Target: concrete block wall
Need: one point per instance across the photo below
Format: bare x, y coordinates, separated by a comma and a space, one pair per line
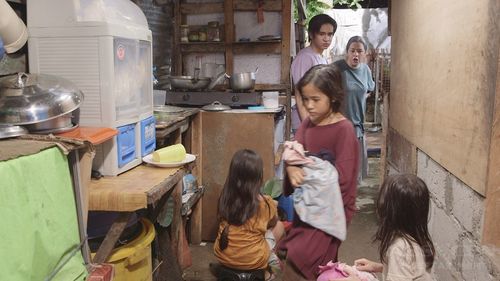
456, 223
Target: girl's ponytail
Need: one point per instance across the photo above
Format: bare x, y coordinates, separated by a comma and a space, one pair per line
224, 240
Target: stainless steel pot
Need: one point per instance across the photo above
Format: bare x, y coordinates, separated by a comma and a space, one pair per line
8, 131
189, 82
59, 124
34, 98
242, 81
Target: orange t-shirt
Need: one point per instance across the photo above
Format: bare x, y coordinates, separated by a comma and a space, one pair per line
247, 248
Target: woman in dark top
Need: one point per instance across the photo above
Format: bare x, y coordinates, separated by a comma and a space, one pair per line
325, 132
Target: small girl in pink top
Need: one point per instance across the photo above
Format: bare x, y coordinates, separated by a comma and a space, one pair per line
406, 248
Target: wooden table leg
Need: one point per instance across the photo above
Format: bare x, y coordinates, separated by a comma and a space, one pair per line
176, 226
111, 237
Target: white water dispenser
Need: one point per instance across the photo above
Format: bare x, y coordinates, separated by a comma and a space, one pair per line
104, 47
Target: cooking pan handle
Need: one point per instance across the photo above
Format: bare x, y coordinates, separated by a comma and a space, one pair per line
227, 76
196, 74
216, 80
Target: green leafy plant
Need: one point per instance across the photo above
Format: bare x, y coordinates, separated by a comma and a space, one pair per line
353, 4
314, 7
273, 187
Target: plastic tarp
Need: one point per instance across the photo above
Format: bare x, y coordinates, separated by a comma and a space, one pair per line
39, 219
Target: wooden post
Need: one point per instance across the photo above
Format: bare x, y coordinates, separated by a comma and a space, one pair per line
196, 149
229, 34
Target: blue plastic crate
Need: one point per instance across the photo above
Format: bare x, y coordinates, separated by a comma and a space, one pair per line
148, 136
126, 144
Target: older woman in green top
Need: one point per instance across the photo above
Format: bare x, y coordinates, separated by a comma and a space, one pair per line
358, 82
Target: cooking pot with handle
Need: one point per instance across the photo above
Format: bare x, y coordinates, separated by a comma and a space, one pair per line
242, 81
41, 102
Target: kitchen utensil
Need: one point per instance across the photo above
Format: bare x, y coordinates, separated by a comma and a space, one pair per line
217, 80
242, 81
60, 124
269, 38
34, 98
189, 82
66, 129
7, 131
216, 106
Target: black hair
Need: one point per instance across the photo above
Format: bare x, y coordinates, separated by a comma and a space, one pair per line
317, 21
239, 199
328, 79
355, 39
403, 210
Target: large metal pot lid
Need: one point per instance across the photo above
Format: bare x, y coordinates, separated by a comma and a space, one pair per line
216, 106
32, 98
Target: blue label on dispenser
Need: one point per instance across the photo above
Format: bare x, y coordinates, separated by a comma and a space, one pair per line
148, 136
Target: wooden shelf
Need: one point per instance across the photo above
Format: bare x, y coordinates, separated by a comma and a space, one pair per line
271, 87
201, 8
268, 6
203, 47
257, 47
238, 5
252, 47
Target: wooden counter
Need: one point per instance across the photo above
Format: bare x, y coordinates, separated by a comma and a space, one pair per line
148, 187
134, 189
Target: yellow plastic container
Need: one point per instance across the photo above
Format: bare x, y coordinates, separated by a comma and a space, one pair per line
133, 261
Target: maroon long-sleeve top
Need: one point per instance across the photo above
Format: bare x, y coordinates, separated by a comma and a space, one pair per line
308, 247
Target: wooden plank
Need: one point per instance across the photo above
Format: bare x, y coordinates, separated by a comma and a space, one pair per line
170, 269
205, 8
286, 15
445, 109
173, 127
196, 222
176, 226
133, 189
196, 148
155, 194
165, 121
402, 154
258, 47
176, 51
112, 236
271, 87
269, 5
223, 134
492, 205
277, 156
385, 128
229, 34
192, 201
203, 47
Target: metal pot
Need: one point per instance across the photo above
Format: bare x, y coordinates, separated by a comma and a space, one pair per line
189, 82
242, 81
59, 124
7, 131
35, 98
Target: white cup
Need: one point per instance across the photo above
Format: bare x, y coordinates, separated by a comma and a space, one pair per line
270, 99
